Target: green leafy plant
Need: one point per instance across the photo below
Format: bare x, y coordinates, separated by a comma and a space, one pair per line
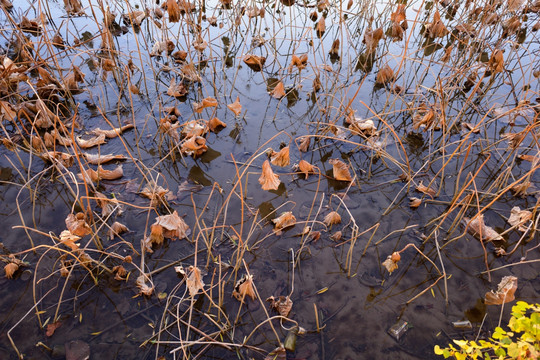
521, 342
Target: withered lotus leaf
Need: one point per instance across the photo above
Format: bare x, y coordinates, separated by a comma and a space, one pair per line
119, 272
340, 170
363, 126
117, 173
62, 140
176, 90
372, 38
496, 61
336, 236
51, 328
157, 194
281, 304
89, 175
96, 159
426, 190
215, 124
505, 292
255, 62
436, 28
279, 90
205, 103
193, 278
194, 146
304, 143
519, 217
334, 50
58, 156
10, 270
175, 227
306, 168
174, 11
480, 230
414, 202
281, 158
86, 144
244, 288
190, 73
332, 218
68, 239
391, 262
398, 15
320, 28
194, 128
385, 75
117, 229
107, 205
156, 235
77, 225
144, 288
113, 132
299, 61
285, 220
235, 107
268, 180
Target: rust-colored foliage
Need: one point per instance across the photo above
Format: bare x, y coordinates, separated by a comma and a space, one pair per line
340, 170
268, 180
505, 292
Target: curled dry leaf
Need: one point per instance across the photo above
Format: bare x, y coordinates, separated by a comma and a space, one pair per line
281, 158
190, 73
414, 202
385, 75
372, 38
320, 28
96, 159
89, 175
481, 231
215, 124
306, 168
10, 269
255, 62
176, 90
496, 61
268, 180
144, 288
194, 128
391, 262
113, 132
193, 278
426, 190
519, 217
117, 229
117, 173
51, 328
336, 236
205, 103
157, 194
285, 220
334, 50
77, 225
235, 107
175, 227
244, 288
194, 146
436, 28
299, 61
281, 304
174, 11
363, 126
340, 170
332, 218
505, 292
156, 235
304, 143
68, 239
119, 273
279, 90
85, 144
58, 156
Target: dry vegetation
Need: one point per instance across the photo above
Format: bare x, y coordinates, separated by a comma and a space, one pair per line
429, 106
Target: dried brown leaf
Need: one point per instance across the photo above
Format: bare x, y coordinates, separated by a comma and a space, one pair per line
414, 202
96, 159
77, 225
51, 328
194, 146
205, 103
10, 270
113, 132
235, 107
505, 292
176, 90
69, 240
281, 304
285, 220
117, 229
144, 288
519, 217
304, 143
306, 168
426, 190
340, 170
372, 38
193, 278
244, 288
279, 90
332, 218
174, 226
391, 262
480, 230
215, 124
268, 180
86, 144
281, 158
385, 75
117, 173
255, 62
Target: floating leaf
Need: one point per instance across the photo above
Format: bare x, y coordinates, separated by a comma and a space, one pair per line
95, 141
299, 61
519, 217
385, 75
194, 146
436, 28
363, 126
281, 158
255, 62
175, 227
235, 107
320, 28
304, 143
281, 304
279, 90
480, 230
193, 278
332, 218
306, 168
391, 262
144, 288
117, 173
244, 288
77, 225
96, 159
69, 239
10, 269
176, 90
372, 38
414, 202
174, 11
215, 124
496, 61
505, 292
51, 328
113, 132
340, 170
268, 180
117, 229
426, 190
205, 103
285, 220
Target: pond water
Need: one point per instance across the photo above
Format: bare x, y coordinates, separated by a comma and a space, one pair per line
449, 116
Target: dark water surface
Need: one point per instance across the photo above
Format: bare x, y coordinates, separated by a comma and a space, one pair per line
339, 285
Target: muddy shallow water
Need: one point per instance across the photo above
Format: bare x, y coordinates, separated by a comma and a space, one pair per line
338, 287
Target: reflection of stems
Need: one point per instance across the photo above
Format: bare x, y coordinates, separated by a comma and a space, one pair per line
443, 269
421, 253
